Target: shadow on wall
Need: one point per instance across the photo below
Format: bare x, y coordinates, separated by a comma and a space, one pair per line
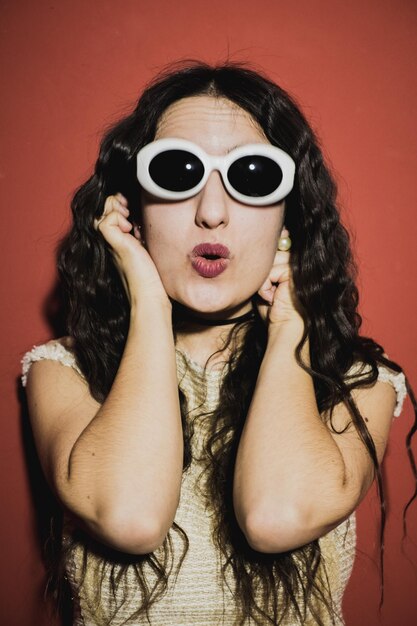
46, 515
54, 310
46, 512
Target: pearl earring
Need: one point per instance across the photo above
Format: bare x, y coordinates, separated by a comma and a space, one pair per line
137, 233
284, 243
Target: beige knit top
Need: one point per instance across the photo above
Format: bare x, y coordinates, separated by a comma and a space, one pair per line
198, 595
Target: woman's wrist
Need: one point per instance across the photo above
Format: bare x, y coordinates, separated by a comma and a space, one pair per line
150, 310
285, 337
290, 328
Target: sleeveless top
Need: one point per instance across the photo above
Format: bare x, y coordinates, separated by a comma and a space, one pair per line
197, 595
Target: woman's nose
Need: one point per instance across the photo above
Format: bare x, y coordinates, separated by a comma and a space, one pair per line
212, 203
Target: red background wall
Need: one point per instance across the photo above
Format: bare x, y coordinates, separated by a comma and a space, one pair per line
71, 67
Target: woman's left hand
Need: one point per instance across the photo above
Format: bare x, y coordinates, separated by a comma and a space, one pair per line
278, 292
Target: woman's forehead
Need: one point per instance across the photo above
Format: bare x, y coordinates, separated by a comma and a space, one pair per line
209, 120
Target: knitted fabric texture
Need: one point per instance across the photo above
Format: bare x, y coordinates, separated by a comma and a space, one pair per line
197, 596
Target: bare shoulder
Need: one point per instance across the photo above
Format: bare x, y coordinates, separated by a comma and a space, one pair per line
377, 404
54, 381
59, 401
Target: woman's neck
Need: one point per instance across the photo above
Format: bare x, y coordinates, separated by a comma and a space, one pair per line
200, 336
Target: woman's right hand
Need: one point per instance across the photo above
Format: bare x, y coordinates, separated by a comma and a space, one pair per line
136, 268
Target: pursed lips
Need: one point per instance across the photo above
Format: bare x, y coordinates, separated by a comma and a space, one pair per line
210, 259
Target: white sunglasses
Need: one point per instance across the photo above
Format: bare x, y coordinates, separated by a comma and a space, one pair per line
176, 169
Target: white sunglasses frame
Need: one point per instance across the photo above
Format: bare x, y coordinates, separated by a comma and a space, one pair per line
219, 163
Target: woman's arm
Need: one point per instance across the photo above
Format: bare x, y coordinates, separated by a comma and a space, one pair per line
118, 466
295, 479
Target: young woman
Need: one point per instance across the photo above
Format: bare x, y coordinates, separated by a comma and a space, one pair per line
220, 417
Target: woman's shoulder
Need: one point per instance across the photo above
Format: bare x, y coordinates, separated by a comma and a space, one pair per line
386, 375
55, 350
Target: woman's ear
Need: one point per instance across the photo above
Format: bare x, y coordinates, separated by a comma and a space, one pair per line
283, 233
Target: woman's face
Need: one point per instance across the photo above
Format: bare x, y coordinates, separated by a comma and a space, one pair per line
172, 230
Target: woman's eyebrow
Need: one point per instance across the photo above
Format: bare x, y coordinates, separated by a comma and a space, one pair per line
245, 143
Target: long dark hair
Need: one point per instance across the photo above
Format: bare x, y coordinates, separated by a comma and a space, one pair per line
324, 276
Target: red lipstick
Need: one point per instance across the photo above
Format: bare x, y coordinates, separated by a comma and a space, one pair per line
210, 259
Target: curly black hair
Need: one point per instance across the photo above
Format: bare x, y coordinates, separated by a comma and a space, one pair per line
324, 275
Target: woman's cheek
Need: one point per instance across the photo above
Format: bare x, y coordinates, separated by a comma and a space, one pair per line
260, 263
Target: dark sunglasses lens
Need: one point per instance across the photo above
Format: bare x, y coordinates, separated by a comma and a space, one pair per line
255, 176
176, 170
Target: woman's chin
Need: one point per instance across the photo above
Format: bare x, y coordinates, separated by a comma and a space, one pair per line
212, 310
212, 300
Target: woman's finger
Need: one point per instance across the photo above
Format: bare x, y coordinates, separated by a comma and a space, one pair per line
113, 227
114, 219
278, 274
282, 256
112, 203
121, 199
